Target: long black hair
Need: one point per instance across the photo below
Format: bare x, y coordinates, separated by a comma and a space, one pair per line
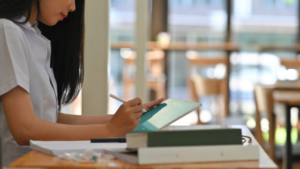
67, 43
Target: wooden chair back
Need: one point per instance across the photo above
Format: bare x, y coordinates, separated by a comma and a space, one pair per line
155, 76
206, 86
263, 96
199, 86
264, 104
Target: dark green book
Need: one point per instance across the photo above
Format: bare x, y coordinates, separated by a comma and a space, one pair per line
166, 138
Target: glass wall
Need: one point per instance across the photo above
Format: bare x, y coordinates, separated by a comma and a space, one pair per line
257, 25
195, 22
122, 27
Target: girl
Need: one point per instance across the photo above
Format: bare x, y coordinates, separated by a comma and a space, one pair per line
41, 68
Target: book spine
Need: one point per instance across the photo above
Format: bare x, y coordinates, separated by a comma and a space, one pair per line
194, 137
163, 155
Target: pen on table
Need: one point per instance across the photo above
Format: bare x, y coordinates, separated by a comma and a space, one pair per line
122, 100
107, 140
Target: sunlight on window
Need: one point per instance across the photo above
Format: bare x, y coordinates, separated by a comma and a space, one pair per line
294, 116
233, 106
220, 71
251, 123
292, 74
264, 125
205, 116
248, 107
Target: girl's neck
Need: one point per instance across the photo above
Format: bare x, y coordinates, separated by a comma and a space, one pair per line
33, 15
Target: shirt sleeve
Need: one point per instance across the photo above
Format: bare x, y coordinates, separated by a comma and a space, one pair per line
13, 57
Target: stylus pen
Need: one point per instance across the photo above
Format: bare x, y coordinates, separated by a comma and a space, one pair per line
109, 140
122, 100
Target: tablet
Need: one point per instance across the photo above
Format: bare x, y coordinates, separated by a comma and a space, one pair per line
166, 113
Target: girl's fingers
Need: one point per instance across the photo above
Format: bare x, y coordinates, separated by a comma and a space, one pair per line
134, 102
136, 109
138, 120
152, 104
138, 115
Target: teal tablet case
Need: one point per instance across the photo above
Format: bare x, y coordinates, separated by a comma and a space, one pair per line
165, 113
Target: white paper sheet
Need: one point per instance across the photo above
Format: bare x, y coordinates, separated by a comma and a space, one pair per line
60, 147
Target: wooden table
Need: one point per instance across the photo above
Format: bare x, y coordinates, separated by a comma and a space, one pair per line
283, 85
40, 160
287, 93
289, 99
181, 46
295, 48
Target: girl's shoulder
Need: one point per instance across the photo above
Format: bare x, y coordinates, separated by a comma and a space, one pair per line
12, 34
5, 21
6, 24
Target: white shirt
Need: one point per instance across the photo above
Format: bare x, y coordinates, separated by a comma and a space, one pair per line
25, 62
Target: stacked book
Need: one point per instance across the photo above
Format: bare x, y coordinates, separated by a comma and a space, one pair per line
181, 146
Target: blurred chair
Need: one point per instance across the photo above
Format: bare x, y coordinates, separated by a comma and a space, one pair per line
199, 86
155, 72
265, 105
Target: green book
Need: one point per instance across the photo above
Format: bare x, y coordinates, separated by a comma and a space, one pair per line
167, 138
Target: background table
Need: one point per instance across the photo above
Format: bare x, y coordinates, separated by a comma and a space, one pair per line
40, 160
289, 99
287, 93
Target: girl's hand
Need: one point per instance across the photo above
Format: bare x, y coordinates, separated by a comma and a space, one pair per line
149, 106
126, 118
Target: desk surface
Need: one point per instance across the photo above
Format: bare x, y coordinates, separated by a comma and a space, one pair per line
151, 45
287, 97
284, 86
40, 160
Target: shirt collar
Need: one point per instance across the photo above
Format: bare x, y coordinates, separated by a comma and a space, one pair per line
27, 25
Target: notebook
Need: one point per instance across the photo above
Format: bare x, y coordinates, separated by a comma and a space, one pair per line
166, 113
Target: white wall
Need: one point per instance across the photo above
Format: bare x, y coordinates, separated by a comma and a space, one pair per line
141, 39
97, 50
